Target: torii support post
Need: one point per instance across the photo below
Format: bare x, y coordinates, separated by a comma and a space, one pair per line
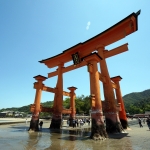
58, 101
34, 123
122, 113
98, 131
112, 119
72, 104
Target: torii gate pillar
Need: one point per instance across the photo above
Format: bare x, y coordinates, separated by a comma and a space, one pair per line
112, 119
58, 100
72, 103
34, 124
96, 104
122, 113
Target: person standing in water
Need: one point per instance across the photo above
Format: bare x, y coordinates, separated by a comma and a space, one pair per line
140, 123
148, 122
41, 124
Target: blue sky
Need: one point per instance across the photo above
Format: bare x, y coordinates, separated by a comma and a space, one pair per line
34, 30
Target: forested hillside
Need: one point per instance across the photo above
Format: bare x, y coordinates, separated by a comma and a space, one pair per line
136, 102
136, 96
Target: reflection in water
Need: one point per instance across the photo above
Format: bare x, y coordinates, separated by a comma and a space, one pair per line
65, 139
79, 140
73, 139
34, 138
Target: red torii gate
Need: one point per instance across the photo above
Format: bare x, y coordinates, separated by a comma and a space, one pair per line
82, 54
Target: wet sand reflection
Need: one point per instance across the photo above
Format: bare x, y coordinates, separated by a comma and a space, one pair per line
17, 138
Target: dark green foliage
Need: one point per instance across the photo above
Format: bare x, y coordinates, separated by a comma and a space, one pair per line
25, 109
82, 104
136, 96
47, 104
137, 102
66, 103
45, 114
138, 107
9, 109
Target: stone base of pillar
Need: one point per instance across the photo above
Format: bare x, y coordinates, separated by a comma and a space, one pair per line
124, 123
56, 121
113, 127
70, 122
34, 125
98, 132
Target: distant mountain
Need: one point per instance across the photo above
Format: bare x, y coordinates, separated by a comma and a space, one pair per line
136, 97
140, 100
26, 109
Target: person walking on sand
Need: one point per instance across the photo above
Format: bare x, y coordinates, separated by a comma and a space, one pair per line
77, 122
41, 124
68, 122
81, 122
89, 121
140, 122
62, 122
73, 123
148, 122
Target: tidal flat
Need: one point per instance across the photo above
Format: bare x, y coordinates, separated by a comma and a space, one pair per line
17, 137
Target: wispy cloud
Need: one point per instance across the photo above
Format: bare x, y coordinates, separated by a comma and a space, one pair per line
88, 25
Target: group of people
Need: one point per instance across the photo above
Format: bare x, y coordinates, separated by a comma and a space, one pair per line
78, 122
144, 120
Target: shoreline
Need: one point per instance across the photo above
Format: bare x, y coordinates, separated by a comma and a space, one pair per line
6, 121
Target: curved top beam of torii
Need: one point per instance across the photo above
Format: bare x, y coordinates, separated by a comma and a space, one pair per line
118, 31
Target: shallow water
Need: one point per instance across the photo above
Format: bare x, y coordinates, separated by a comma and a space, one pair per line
16, 137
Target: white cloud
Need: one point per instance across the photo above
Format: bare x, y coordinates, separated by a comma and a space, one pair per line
88, 25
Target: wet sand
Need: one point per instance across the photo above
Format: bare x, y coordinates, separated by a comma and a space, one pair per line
16, 137
12, 120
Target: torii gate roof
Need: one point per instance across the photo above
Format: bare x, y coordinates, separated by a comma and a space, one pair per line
118, 31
